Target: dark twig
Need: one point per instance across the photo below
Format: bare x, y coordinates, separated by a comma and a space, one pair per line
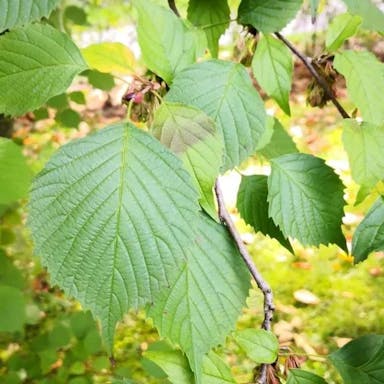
261, 283
172, 5
269, 307
322, 82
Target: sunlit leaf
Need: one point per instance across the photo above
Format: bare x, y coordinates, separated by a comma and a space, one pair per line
364, 89
273, 68
299, 376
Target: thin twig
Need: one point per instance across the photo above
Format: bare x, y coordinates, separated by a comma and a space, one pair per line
172, 5
322, 82
261, 283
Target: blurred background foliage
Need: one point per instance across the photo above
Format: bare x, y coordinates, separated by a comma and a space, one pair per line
322, 300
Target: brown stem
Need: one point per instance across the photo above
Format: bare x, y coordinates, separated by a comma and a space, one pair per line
261, 283
172, 5
322, 82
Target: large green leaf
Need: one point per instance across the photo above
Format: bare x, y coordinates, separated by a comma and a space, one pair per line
268, 15
369, 235
18, 12
373, 17
36, 63
111, 216
259, 345
299, 376
166, 43
213, 16
281, 143
207, 295
340, 29
110, 57
364, 144
225, 92
12, 309
306, 199
253, 207
15, 176
361, 361
364, 89
272, 66
192, 135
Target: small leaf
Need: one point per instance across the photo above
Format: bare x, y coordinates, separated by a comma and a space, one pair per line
273, 68
12, 309
356, 367
369, 235
58, 101
75, 14
364, 144
15, 13
363, 88
100, 80
207, 295
260, 345
110, 57
36, 63
192, 135
340, 29
97, 223
253, 207
167, 44
281, 143
78, 97
306, 199
213, 16
268, 15
216, 371
15, 176
223, 90
373, 17
299, 376
9, 274
68, 118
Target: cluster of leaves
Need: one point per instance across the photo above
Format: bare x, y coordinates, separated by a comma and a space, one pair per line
125, 218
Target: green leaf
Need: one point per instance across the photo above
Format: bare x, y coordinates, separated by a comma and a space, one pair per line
207, 295
98, 224
15, 13
373, 17
15, 176
281, 142
68, 118
260, 345
36, 63
314, 7
363, 88
192, 135
268, 15
340, 29
78, 97
356, 367
299, 376
110, 57
75, 14
306, 199
12, 309
213, 16
364, 144
216, 371
100, 80
167, 44
58, 101
253, 207
273, 68
224, 91
369, 235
